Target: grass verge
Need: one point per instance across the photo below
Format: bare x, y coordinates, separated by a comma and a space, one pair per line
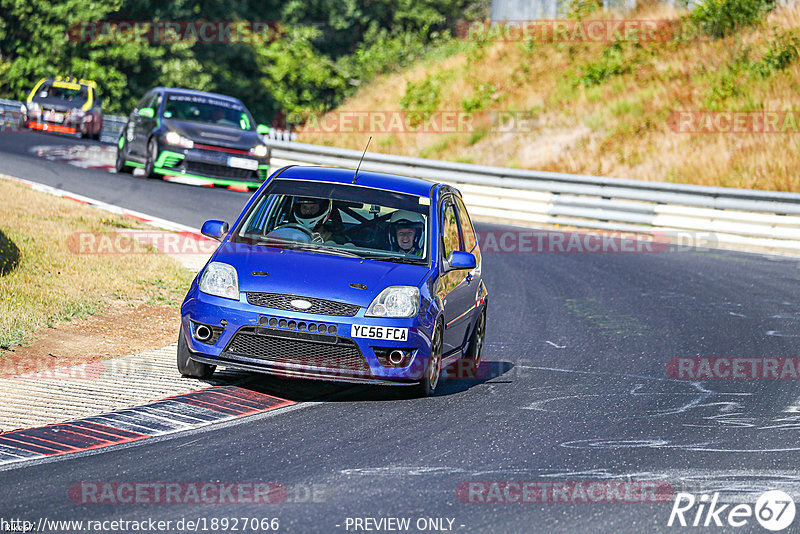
48, 283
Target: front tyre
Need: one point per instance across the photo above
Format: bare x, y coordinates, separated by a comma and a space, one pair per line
120, 165
150, 161
430, 378
187, 366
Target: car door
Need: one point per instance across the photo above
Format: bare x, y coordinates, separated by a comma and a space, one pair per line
455, 289
470, 242
142, 126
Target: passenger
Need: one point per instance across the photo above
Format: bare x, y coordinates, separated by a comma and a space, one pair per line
407, 232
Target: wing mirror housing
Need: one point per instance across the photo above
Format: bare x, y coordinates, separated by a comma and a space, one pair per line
214, 229
461, 260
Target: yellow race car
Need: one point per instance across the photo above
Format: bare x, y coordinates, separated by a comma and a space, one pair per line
64, 105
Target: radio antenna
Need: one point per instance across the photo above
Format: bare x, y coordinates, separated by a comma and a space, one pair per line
355, 176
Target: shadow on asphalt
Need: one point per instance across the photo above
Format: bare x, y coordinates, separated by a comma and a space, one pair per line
452, 381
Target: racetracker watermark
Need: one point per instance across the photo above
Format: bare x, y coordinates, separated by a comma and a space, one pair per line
580, 31
735, 122
140, 242
414, 122
165, 32
47, 367
696, 368
571, 491
210, 492
596, 242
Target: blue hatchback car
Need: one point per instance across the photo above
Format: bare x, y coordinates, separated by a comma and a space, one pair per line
368, 278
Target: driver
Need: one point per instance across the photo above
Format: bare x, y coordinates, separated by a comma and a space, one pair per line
311, 213
407, 232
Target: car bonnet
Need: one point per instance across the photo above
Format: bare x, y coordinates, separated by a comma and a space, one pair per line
311, 274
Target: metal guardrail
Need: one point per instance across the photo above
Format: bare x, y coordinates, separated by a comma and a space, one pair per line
112, 127
729, 216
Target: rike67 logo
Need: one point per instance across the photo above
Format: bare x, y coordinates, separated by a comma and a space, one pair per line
774, 510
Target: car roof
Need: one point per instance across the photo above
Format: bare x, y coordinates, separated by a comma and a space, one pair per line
376, 180
193, 92
69, 79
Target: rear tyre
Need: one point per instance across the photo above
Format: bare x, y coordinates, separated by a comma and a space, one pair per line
187, 366
120, 165
430, 378
150, 162
472, 357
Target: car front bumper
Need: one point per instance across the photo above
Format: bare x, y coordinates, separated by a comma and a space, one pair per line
213, 166
250, 339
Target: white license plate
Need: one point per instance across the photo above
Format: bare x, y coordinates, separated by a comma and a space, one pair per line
388, 333
54, 117
243, 163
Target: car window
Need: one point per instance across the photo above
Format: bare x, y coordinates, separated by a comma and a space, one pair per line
98, 103
151, 102
62, 92
450, 241
156, 103
339, 218
144, 101
467, 231
207, 110
44, 90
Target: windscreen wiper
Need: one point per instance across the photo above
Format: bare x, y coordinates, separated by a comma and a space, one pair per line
396, 259
309, 247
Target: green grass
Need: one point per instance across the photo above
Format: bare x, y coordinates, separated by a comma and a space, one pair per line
45, 282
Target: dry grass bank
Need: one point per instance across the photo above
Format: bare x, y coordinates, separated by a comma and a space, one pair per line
604, 108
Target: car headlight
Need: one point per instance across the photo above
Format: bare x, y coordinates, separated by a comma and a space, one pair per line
220, 279
395, 301
259, 151
174, 138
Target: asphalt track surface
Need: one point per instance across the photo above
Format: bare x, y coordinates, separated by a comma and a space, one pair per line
573, 388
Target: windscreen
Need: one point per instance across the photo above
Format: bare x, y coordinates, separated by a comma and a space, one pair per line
71, 93
339, 219
198, 108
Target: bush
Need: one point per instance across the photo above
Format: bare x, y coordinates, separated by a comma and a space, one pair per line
483, 93
783, 50
9, 254
612, 63
422, 96
718, 18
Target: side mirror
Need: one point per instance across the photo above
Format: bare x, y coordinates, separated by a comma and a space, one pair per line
214, 229
461, 260
147, 112
262, 129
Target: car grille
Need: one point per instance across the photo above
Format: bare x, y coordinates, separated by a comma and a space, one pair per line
296, 349
221, 171
280, 301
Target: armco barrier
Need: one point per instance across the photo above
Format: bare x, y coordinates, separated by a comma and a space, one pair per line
744, 217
